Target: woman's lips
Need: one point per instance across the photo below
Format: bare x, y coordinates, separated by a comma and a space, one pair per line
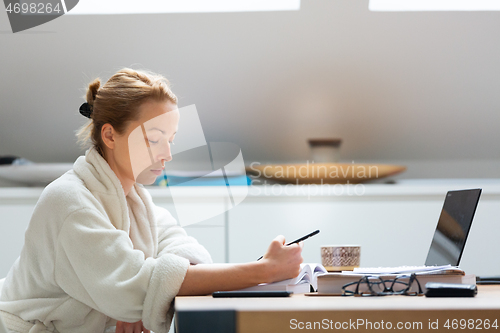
157, 172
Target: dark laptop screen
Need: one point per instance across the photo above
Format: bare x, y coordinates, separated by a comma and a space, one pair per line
453, 227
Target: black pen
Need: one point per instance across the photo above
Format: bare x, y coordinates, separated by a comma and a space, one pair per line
300, 239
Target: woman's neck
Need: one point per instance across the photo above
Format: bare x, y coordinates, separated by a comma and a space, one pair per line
126, 182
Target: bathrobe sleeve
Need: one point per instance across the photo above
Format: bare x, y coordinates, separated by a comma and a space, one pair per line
172, 239
97, 265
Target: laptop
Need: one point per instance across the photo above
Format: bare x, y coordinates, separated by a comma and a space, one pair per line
453, 228
450, 235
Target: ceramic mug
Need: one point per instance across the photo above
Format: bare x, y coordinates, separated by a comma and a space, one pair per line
340, 257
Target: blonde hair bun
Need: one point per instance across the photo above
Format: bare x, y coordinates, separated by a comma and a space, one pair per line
92, 90
117, 102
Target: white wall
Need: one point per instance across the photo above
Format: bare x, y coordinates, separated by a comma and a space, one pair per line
418, 88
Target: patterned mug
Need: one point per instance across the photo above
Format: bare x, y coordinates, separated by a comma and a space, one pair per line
340, 257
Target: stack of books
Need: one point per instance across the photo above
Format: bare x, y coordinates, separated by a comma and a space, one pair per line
332, 283
314, 277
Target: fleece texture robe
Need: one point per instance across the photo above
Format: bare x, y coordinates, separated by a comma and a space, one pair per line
93, 256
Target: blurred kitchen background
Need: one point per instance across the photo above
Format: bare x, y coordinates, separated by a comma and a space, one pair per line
413, 88
418, 89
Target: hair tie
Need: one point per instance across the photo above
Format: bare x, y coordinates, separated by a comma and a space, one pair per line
86, 109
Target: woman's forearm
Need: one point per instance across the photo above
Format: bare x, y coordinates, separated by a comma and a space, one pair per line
204, 279
279, 263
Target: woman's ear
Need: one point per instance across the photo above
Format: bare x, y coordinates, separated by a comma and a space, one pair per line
108, 135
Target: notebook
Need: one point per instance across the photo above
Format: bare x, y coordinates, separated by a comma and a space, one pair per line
307, 277
449, 238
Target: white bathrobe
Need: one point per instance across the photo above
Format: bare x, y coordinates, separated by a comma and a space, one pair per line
93, 256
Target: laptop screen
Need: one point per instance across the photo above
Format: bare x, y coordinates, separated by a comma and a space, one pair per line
453, 227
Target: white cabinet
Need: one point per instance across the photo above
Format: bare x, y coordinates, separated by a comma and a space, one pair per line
394, 224
395, 232
13, 223
16, 208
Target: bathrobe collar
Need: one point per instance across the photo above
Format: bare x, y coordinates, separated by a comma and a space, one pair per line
136, 208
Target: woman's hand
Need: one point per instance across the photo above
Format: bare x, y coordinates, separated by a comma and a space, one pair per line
137, 327
282, 262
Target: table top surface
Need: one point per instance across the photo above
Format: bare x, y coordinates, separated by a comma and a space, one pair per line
488, 297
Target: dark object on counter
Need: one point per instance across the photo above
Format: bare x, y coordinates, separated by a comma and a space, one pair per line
7, 159
487, 279
325, 142
243, 293
325, 150
435, 289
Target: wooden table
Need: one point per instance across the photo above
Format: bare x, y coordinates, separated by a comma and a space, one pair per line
330, 313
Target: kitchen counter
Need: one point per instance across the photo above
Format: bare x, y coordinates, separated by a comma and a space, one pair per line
413, 187
394, 223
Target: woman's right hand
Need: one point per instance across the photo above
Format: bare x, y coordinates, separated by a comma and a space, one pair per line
137, 327
282, 262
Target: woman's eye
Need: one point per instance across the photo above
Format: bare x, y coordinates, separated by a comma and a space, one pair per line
172, 143
153, 142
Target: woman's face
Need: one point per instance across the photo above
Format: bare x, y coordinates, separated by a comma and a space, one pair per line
145, 146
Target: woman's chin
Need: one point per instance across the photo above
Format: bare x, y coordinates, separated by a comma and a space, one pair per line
146, 179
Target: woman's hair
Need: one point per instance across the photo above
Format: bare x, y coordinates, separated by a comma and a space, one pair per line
117, 102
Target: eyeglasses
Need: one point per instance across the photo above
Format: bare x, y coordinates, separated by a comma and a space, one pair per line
370, 285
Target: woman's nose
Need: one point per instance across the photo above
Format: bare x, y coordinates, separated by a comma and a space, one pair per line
164, 154
164, 159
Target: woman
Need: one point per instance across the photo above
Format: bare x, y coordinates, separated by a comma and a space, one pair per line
98, 252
